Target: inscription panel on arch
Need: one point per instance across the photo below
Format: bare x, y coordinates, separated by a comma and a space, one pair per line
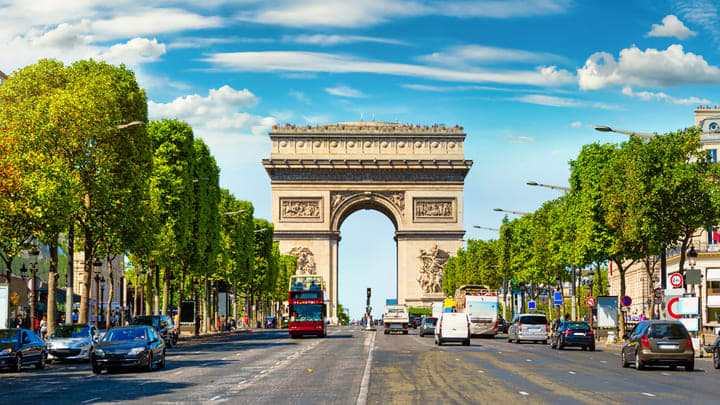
434, 209
305, 209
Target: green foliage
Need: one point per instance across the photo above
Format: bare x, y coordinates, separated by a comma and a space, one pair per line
342, 316
420, 311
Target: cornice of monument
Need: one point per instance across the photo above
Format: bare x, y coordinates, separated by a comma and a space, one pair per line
345, 129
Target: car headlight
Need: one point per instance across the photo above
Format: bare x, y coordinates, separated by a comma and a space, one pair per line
136, 350
99, 353
6, 350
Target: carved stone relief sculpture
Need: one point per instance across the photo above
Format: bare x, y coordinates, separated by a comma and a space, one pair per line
300, 209
305, 260
434, 209
397, 198
431, 271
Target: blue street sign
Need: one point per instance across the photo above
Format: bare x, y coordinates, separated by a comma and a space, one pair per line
531, 305
558, 298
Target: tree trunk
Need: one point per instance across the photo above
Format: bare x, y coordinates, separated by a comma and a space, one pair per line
206, 304
84, 315
147, 293
621, 314
156, 290
52, 285
136, 298
111, 291
69, 295
181, 296
166, 290
216, 314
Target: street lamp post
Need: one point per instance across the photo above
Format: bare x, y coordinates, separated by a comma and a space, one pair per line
533, 183
33, 292
102, 296
486, 228
692, 261
605, 128
97, 263
511, 212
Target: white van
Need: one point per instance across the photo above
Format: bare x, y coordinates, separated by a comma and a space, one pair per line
453, 327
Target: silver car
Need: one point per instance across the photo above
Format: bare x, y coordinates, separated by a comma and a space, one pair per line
427, 326
532, 327
72, 342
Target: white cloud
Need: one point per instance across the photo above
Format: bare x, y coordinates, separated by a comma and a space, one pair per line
448, 89
328, 40
553, 101
364, 13
671, 27
216, 112
702, 12
519, 139
649, 68
345, 91
316, 119
153, 21
576, 124
135, 51
472, 54
200, 42
290, 61
649, 95
299, 96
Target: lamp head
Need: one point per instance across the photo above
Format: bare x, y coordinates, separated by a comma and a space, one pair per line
603, 128
532, 183
497, 209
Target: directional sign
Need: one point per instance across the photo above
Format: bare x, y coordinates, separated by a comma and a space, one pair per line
626, 301
590, 301
658, 293
558, 298
676, 280
672, 308
531, 305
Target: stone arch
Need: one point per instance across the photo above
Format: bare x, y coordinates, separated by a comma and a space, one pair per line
366, 201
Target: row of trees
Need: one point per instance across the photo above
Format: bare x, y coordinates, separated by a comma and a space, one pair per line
78, 158
627, 202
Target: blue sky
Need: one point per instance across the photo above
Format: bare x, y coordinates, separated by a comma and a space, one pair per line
527, 79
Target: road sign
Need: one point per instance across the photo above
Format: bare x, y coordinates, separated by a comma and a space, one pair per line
692, 276
658, 293
676, 280
674, 313
626, 301
531, 305
590, 301
558, 298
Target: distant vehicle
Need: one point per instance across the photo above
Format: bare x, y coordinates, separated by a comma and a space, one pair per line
412, 323
396, 319
307, 310
72, 342
502, 325
427, 326
418, 321
453, 327
532, 327
162, 324
577, 334
481, 305
658, 342
21, 347
714, 349
131, 346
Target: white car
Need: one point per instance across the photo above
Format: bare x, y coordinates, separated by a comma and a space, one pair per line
453, 327
72, 342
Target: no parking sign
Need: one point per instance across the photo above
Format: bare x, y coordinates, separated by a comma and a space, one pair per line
590, 301
626, 301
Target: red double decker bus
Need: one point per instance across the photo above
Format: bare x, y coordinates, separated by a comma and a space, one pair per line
307, 306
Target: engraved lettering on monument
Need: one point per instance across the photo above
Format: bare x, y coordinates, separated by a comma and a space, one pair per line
431, 271
300, 208
435, 209
305, 261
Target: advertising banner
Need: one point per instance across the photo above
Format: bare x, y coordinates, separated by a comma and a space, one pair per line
607, 312
4, 305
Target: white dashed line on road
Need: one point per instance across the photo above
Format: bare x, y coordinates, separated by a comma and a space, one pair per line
178, 372
242, 382
603, 361
205, 364
665, 373
647, 394
215, 398
571, 372
523, 393
263, 372
528, 360
481, 371
90, 400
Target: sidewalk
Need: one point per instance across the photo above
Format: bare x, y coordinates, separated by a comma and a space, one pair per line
187, 337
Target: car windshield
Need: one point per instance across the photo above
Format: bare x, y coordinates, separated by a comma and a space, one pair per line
577, 326
431, 321
8, 336
306, 313
533, 320
71, 331
667, 330
146, 321
124, 335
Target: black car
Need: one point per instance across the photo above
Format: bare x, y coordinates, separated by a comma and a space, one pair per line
412, 323
21, 347
131, 346
577, 334
162, 324
502, 325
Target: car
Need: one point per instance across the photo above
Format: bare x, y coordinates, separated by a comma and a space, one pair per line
129, 347
417, 321
427, 326
658, 343
21, 347
502, 325
453, 327
162, 324
72, 342
530, 327
714, 349
412, 323
577, 334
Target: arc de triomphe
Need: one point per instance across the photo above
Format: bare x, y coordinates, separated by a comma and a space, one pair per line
413, 174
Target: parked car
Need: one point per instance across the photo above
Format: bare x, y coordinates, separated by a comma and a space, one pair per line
658, 342
418, 321
72, 342
21, 347
162, 324
453, 327
577, 334
714, 349
533, 326
502, 325
427, 326
131, 346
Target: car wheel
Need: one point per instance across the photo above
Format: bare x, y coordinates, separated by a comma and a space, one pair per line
638, 362
509, 340
18, 362
716, 358
466, 342
149, 364
41, 364
161, 363
421, 334
623, 360
690, 366
439, 342
552, 344
544, 342
517, 341
385, 331
673, 367
592, 348
96, 369
169, 343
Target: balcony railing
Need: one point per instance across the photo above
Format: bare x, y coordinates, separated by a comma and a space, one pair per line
703, 247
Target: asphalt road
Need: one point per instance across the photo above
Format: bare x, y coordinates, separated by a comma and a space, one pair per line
267, 367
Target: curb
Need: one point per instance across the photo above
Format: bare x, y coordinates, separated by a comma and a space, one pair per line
211, 334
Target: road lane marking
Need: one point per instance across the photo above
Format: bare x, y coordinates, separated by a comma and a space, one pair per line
205, 364
263, 372
242, 382
528, 360
523, 393
647, 394
215, 397
603, 361
365, 382
665, 373
481, 371
90, 400
178, 372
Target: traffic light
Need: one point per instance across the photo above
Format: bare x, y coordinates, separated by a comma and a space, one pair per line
368, 291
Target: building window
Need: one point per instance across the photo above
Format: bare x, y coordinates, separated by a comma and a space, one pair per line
713, 315
712, 155
713, 287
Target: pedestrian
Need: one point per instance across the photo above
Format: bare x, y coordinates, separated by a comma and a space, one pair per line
567, 317
75, 316
62, 319
43, 327
36, 326
18, 321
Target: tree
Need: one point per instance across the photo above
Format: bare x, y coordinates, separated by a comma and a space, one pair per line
343, 318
